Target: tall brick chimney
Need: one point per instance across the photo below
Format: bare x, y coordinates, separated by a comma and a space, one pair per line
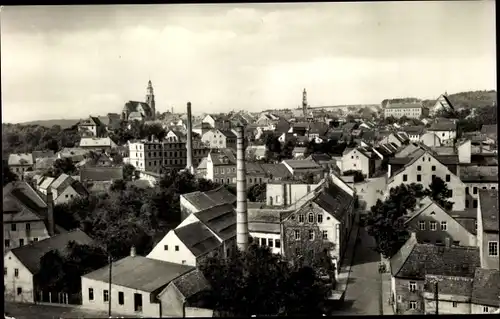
50, 212
189, 143
241, 193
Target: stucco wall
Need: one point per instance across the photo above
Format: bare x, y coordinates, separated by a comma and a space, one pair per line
37, 230
24, 280
182, 256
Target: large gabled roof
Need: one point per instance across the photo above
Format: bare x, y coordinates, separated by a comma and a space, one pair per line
220, 219
197, 238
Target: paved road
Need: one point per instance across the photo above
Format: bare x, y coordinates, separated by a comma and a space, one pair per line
31, 311
363, 294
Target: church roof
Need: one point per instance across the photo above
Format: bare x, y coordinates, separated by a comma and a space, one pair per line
132, 106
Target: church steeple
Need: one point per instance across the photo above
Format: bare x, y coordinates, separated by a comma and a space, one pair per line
304, 102
150, 99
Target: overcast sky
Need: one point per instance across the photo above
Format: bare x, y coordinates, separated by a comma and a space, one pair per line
72, 61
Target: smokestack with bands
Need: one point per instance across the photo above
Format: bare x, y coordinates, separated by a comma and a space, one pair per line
50, 212
189, 144
241, 193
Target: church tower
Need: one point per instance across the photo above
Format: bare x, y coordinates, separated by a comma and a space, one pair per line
150, 99
304, 103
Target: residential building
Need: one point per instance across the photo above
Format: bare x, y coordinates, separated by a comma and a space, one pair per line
158, 157
434, 225
414, 132
201, 234
76, 154
446, 131
221, 166
65, 189
97, 144
198, 201
91, 127
487, 228
216, 138
202, 128
303, 168
22, 264
257, 152
358, 159
414, 261
217, 122
20, 163
145, 295
430, 139
298, 152
99, 179
477, 178
286, 193
485, 291
24, 215
267, 119
409, 110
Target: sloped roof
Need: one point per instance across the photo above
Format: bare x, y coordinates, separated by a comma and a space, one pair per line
25, 194
30, 255
101, 173
208, 199
191, 283
220, 219
413, 129
302, 164
461, 286
44, 162
442, 126
197, 238
140, 273
426, 259
479, 173
488, 200
319, 157
334, 200
96, 142
23, 159
404, 105
62, 181
132, 106
219, 155
489, 129
486, 288
276, 170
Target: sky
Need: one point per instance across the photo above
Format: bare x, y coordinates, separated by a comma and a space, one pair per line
74, 61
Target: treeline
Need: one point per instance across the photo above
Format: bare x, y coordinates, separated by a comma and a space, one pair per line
470, 99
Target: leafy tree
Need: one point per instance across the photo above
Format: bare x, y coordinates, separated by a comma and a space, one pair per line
308, 178
403, 119
261, 283
118, 185
257, 193
7, 175
334, 123
358, 175
440, 193
60, 166
386, 220
287, 150
128, 172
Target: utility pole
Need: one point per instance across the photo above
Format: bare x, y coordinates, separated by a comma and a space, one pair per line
436, 294
109, 294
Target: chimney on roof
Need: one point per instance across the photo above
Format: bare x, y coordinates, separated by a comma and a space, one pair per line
132, 251
241, 193
50, 212
189, 143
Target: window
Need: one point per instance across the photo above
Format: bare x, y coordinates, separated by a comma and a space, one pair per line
277, 243
121, 298
91, 294
413, 286
419, 168
433, 225
19, 290
16, 272
450, 192
433, 168
262, 241
105, 295
493, 248
474, 203
467, 190
405, 177
28, 226
297, 235
466, 203
456, 243
475, 224
413, 305
311, 218
485, 309
301, 218
35, 239
444, 226
433, 177
320, 218
419, 178
7, 243
165, 247
5, 271
474, 190
21, 242
176, 248
484, 187
13, 227
270, 242
421, 224
448, 177
311, 234
325, 234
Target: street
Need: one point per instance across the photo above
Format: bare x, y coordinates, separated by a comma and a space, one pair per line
364, 294
30, 311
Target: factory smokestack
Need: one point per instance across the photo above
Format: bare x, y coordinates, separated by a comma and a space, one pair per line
189, 143
50, 212
241, 193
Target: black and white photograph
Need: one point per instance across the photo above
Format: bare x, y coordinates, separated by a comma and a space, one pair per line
250, 159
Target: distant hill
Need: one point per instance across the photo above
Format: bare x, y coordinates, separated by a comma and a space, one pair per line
64, 123
471, 99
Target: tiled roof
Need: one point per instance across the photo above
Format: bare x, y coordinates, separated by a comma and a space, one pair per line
276, 170
131, 107
479, 173
101, 173
334, 200
403, 105
489, 129
413, 129
208, 199
25, 194
30, 255
486, 288
218, 156
44, 162
439, 126
302, 164
191, 283
140, 273
488, 200
96, 142
220, 219
228, 134
319, 157
461, 286
61, 182
197, 238
46, 182
447, 159
425, 259
20, 159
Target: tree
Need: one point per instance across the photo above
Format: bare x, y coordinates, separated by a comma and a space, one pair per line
7, 175
358, 175
439, 192
257, 193
258, 282
61, 166
403, 119
386, 220
128, 172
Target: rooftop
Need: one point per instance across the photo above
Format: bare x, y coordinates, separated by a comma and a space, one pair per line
220, 219
20, 159
98, 174
479, 173
488, 201
208, 199
302, 164
191, 283
461, 286
197, 238
486, 288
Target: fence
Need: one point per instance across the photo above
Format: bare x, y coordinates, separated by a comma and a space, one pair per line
58, 297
